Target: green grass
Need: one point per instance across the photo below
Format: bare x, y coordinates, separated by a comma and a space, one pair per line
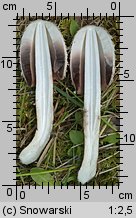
61, 158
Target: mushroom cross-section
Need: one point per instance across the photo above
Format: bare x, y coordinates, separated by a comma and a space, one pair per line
43, 57
92, 63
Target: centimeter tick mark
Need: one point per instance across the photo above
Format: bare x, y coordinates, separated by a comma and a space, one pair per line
87, 13
81, 16
112, 187
55, 10
35, 185
80, 191
10, 121
23, 13
48, 188
17, 18
16, 190
125, 80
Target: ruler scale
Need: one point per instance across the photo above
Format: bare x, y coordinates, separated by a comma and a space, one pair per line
112, 200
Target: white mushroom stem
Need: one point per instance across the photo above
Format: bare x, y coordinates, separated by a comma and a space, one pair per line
44, 97
92, 99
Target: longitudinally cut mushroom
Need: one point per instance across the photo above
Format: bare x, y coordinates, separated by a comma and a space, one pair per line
92, 63
43, 57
